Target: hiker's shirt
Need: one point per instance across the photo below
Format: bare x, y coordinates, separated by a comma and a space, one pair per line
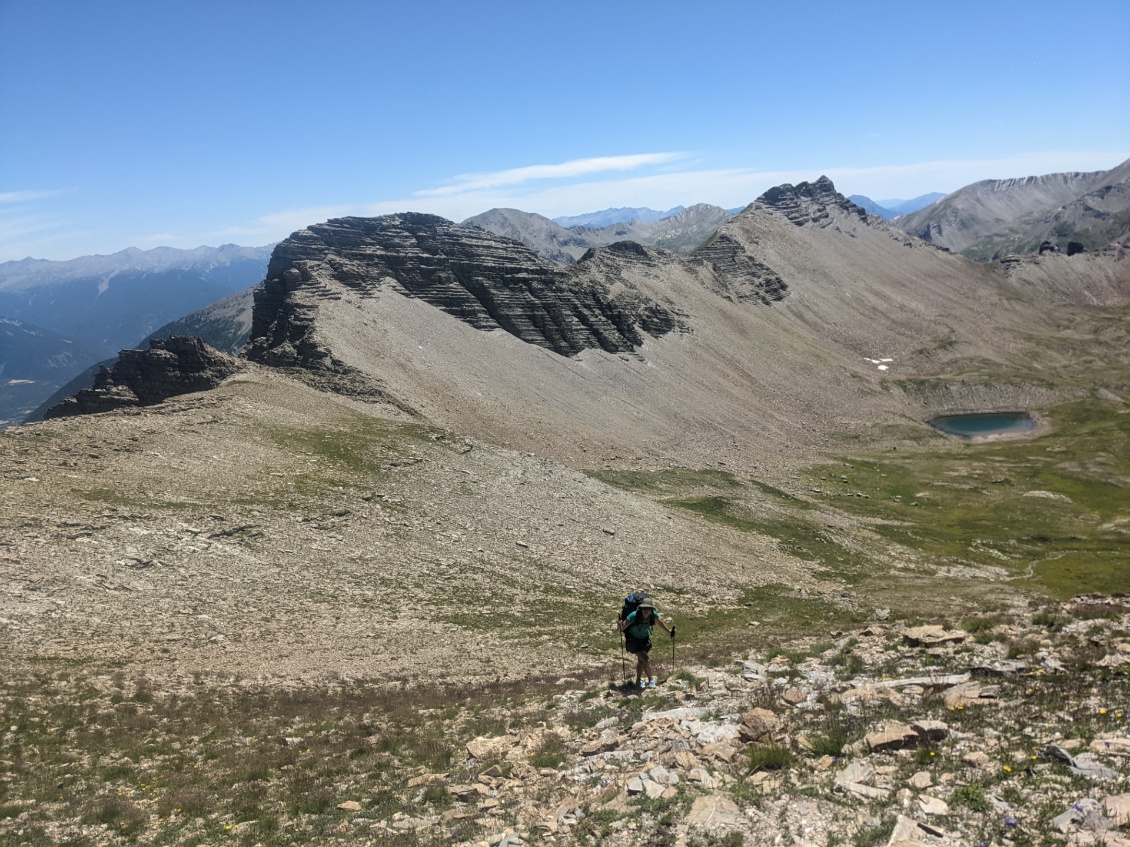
638, 629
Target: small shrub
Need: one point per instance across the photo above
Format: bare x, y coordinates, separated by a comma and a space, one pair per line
768, 757
976, 625
1090, 612
248, 802
438, 796
688, 677
972, 797
874, 836
551, 753
185, 802
117, 813
316, 801
1048, 619
925, 756
830, 742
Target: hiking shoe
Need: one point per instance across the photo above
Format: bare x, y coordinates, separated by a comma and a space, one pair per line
651, 683
642, 684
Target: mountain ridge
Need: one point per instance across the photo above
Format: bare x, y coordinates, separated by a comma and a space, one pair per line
993, 218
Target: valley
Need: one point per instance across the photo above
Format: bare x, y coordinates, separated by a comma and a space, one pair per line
444, 460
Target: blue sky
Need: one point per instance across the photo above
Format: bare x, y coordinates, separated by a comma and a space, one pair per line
186, 123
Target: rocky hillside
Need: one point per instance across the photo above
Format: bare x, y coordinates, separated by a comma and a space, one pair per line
994, 218
1011, 727
680, 232
781, 318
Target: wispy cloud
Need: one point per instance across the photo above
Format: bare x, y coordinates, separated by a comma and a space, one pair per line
585, 185
565, 170
26, 196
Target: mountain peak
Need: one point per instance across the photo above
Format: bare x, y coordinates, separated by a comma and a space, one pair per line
808, 202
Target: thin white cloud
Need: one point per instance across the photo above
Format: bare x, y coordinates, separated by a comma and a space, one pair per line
565, 170
575, 192
26, 196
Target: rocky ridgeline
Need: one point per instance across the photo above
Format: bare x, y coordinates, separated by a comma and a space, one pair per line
484, 280
173, 366
808, 202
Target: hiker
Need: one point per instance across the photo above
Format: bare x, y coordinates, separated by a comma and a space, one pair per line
637, 629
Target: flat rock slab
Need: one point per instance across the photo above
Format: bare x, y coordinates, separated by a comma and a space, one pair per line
933, 806
970, 694
485, 749
894, 736
1111, 745
1117, 808
714, 812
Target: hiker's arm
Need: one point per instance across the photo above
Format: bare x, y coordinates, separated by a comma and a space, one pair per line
666, 628
623, 625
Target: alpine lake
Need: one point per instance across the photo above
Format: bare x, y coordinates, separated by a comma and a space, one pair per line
984, 424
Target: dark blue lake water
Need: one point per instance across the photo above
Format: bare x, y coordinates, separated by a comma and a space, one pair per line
989, 423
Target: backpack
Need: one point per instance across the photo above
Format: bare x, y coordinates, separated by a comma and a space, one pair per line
631, 603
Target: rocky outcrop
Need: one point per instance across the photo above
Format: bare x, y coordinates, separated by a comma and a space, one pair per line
808, 203
741, 278
177, 365
482, 279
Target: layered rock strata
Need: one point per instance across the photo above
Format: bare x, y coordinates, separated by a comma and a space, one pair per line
177, 365
482, 279
808, 202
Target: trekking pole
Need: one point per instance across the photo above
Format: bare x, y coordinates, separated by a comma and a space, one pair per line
623, 657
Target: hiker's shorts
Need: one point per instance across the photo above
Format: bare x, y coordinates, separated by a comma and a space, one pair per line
635, 646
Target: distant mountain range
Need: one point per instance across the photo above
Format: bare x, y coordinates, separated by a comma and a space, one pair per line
60, 318
997, 217
615, 216
887, 209
680, 232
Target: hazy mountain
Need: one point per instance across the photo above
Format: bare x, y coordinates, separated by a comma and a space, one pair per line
681, 232
994, 218
870, 206
108, 303
34, 362
95, 306
615, 216
224, 325
887, 209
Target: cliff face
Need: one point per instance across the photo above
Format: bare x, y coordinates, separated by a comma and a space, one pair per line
808, 203
483, 280
177, 365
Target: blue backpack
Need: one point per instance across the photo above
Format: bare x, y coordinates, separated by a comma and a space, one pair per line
631, 603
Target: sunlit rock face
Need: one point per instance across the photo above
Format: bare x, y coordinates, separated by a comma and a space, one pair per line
482, 279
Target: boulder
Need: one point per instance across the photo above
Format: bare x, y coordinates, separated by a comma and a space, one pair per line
486, 749
758, 724
894, 736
